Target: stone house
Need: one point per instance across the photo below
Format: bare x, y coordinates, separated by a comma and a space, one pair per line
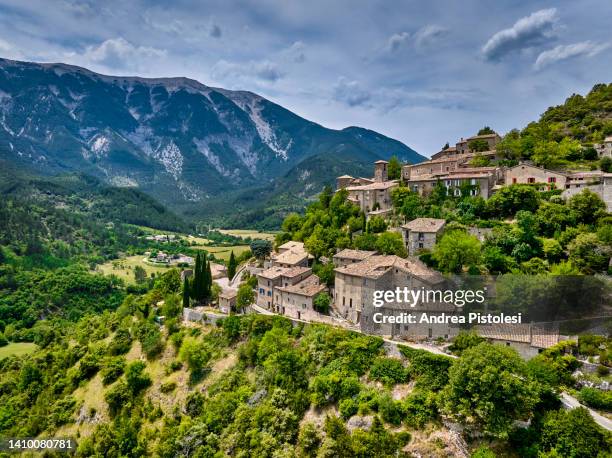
421, 234
373, 196
477, 182
463, 146
227, 300
531, 174
348, 256
356, 283
297, 300
526, 338
291, 254
276, 276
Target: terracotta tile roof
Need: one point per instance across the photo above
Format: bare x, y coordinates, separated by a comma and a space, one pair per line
433, 161
474, 137
288, 272
290, 257
272, 273
291, 272
373, 186
228, 293
291, 245
425, 225
354, 254
376, 266
523, 333
308, 287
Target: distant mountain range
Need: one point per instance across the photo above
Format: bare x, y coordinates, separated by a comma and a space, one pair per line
204, 151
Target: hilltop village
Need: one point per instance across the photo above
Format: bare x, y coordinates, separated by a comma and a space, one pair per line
287, 284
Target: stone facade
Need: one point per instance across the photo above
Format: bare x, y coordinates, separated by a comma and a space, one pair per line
373, 196
275, 277
297, 301
530, 174
355, 285
227, 300
348, 256
476, 183
291, 254
421, 234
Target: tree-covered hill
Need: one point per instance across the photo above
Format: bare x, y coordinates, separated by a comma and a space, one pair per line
564, 135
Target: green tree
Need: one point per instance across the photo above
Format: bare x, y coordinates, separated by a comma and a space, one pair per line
486, 130
510, 199
140, 275
261, 248
196, 354
588, 254
395, 168
326, 196
573, 433
377, 224
455, 250
488, 389
588, 206
136, 377
231, 266
478, 145
391, 243
605, 164
244, 296
321, 302
186, 292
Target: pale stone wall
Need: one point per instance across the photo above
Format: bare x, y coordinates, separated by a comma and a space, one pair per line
348, 296
524, 173
265, 291
420, 240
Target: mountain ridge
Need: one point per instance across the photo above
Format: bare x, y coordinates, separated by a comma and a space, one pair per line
175, 138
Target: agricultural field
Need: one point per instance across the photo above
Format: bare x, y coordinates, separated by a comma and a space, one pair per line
249, 233
17, 349
124, 268
223, 252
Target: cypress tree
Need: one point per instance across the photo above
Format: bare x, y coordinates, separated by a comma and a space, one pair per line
186, 292
195, 293
231, 266
206, 279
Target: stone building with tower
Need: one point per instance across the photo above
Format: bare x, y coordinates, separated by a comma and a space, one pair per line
373, 196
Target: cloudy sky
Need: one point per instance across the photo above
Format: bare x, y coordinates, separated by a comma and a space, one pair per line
422, 72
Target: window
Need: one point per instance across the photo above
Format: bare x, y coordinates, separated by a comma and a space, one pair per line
513, 180
530, 180
421, 236
552, 179
421, 245
343, 300
351, 302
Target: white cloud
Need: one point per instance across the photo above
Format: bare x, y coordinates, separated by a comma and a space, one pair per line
296, 52
397, 41
562, 52
120, 53
533, 30
428, 35
351, 92
264, 70
422, 38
